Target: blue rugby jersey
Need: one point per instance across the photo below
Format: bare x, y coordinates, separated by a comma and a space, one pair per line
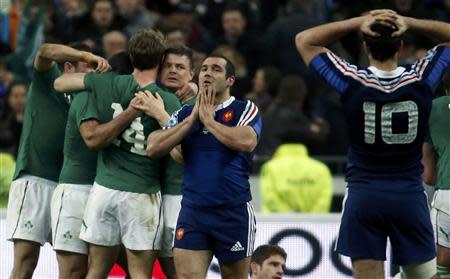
387, 115
215, 175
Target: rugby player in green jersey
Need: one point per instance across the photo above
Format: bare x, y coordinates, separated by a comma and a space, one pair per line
124, 205
40, 154
436, 162
176, 74
75, 182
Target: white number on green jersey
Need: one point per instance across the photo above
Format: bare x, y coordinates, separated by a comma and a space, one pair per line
133, 135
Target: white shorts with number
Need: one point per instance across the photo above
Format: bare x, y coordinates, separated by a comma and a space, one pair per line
28, 213
67, 210
113, 217
440, 217
171, 207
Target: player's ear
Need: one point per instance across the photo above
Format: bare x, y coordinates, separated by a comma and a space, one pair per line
69, 67
254, 268
230, 81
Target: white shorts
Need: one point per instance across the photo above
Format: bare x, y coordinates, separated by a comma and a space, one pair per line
67, 210
28, 213
113, 217
171, 207
441, 227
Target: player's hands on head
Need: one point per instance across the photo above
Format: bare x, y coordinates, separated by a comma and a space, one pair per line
149, 103
187, 92
386, 17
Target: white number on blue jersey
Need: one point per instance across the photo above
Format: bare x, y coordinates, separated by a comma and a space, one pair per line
387, 110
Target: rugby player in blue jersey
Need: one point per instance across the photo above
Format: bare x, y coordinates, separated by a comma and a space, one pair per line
218, 136
387, 109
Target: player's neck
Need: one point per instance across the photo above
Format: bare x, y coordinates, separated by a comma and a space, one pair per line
222, 97
145, 77
387, 65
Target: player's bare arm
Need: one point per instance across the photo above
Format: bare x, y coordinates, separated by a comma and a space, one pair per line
240, 138
69, 82
161, 142
50, 53
429, 164
98, 136
152, 105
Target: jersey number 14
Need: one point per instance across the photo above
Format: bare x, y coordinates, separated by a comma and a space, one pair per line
387, 110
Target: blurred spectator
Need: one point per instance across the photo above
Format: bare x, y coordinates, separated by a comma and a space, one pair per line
29, 38
236, 35
12, 119
293, 182
242, 82
100, 19
193, 32
7, 167
285, 121
64, 17
136, 15
265, 86
114, 42
279, 49
9, 25
175, 35
6, 78
200, 54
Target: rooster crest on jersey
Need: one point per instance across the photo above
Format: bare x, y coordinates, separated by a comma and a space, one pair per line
180, 233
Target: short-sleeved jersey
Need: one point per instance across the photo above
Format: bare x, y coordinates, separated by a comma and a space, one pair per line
214, 174
80, 162
41, 142
124, 165
439, 138
387, 115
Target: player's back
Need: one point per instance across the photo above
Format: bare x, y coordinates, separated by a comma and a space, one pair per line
387, 114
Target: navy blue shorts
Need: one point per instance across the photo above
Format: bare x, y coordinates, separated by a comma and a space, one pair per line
370, 217
228, 232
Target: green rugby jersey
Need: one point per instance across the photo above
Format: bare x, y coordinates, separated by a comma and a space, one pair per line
41, 143
439, 138
124, 165
80, 162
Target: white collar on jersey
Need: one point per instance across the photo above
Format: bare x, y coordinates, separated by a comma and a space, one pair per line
387, 74
225, 104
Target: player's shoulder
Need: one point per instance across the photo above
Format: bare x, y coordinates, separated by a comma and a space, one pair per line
243, 105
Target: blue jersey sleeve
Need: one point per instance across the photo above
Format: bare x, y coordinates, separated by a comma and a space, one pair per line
434, 65
177, 117
333, 69
251, 117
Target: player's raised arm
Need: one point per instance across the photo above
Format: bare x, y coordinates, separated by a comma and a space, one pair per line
69, 82
313, 41
50, 53
161, 142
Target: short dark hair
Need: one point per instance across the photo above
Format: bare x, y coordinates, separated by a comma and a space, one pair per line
146, 49
264, 252
229, 67
121, 63
182, 51
384, 46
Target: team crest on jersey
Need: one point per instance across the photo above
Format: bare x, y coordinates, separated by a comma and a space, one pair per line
180, 233
227, 116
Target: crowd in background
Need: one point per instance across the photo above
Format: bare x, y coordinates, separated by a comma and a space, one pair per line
256, 35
